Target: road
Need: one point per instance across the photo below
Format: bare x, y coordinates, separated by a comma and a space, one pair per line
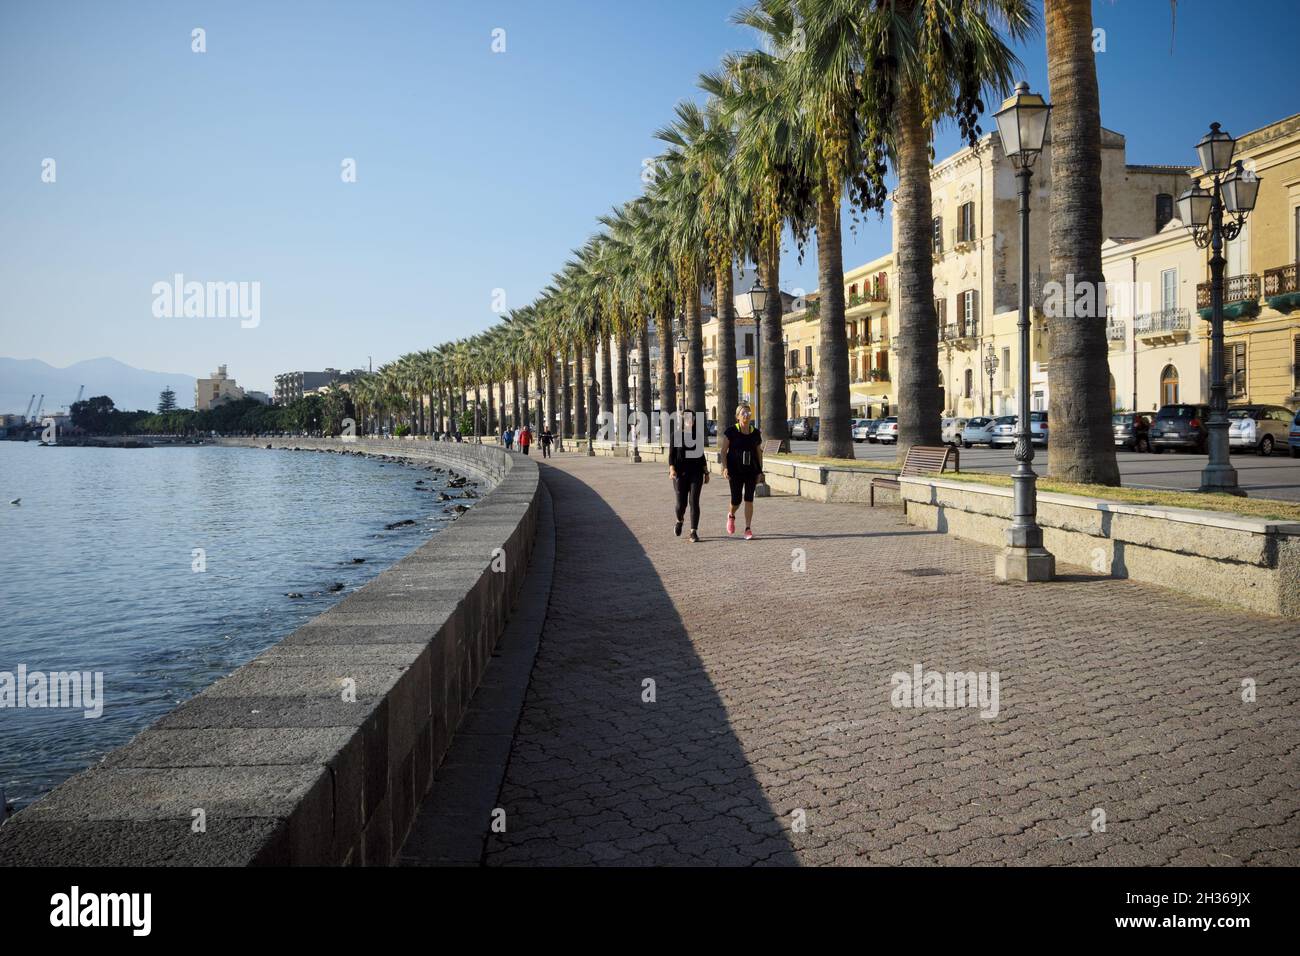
1277, 476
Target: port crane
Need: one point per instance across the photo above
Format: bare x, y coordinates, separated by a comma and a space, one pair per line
27, 412
40, 405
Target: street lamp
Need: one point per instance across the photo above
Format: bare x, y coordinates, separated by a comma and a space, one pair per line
682, 341
591, 412
1233, 189
757, 296
636, 427
990, 366
1022, 127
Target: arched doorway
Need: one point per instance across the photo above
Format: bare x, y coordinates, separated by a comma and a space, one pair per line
1112, 392
794, 404
1169, 386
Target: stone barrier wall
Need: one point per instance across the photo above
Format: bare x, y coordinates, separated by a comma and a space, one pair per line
319, 750
1251, 563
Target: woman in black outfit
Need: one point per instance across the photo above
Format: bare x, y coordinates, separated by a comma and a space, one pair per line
690, 473
742, 465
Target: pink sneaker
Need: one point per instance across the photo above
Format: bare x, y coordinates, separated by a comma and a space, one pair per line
731, 524
749, 535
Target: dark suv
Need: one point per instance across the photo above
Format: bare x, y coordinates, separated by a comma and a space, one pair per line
805, 429
1180, 426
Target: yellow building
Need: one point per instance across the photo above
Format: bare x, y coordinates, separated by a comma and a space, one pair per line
217, 389
1261, 296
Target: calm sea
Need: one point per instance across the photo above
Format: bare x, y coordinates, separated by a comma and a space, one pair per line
97, 573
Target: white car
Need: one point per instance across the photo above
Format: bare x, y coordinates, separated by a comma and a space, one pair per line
887, 433
952, 429
861, 430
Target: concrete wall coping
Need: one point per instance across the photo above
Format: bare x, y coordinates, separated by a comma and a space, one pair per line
1213, 519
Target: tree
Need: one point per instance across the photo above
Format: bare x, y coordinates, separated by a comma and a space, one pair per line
1081, 448
166, 400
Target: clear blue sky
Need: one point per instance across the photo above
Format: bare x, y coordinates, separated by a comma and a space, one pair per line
476, 170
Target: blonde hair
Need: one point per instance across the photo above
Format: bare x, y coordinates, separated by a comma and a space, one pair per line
746, 406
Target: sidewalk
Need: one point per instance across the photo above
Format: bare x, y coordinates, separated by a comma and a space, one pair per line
773, 696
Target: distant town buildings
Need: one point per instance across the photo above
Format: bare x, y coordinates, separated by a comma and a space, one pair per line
291, 386
215, 390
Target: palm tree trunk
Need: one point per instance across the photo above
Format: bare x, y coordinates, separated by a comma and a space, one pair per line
566, 399
542, 420
835, 439
501, 404
620, 378
580, 394
592, 400
515, 421
478, 415
920, 417
694, 351
549, 420
491, 428
1081, 447
643, 397
725, 306
667, 367
773, 405
606, 384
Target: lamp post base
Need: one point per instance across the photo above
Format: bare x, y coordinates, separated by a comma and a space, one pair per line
1220, 480
1025, 564
636, 456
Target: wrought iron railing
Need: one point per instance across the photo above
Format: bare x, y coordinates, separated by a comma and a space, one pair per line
1162, 323
1240, 288
1281, 280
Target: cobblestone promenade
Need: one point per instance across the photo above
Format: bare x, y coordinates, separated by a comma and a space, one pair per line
1120, 736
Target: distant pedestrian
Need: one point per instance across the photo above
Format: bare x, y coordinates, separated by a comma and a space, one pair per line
508, 439
742, 465
547, 438
689, 471
525, 438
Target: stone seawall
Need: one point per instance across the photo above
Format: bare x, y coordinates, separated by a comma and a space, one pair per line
318, 751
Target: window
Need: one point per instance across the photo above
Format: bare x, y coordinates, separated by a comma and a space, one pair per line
968, 384
966, 319
1234, 364
941, 312
938, 235
794, 404
749, 343
966, 222
794, 358
1164, 210
1168, 290
807, 355
1169, 386
1006, 368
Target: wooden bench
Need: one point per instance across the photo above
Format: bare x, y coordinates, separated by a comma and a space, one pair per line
920, 460
771, 446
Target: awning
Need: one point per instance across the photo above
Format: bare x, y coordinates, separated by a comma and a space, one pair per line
869, 393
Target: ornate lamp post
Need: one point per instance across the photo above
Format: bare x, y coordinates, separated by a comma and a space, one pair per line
591, 416
757, 306
1233, 189
1022, 127
679, 325
636, 425
990, 366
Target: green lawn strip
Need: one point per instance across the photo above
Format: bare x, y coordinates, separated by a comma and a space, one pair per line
1266, 508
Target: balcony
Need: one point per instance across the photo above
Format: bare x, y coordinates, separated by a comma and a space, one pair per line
708, 353
963, 336
1240, 297
1280, 288
877, 296
1163, 328
1115, 331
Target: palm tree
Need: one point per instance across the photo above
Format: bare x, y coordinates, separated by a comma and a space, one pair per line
1081, 449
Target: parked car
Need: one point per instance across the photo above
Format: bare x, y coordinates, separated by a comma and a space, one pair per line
861, 429
1294, 440
805, 429
1261, 427
1132, 431
1004, 430
711, 426
978, 431
952, 430
873, 426
887, 430
1180, 426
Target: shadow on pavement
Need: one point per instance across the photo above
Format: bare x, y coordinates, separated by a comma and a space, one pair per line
598, 774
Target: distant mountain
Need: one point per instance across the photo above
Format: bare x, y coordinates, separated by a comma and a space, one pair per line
129, 388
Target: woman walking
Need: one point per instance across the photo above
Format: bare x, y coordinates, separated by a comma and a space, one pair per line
525, 438
690, 473
742, 465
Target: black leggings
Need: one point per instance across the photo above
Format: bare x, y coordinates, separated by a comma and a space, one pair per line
691, 487
742, 482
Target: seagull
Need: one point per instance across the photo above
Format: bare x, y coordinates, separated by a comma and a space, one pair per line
16, 501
